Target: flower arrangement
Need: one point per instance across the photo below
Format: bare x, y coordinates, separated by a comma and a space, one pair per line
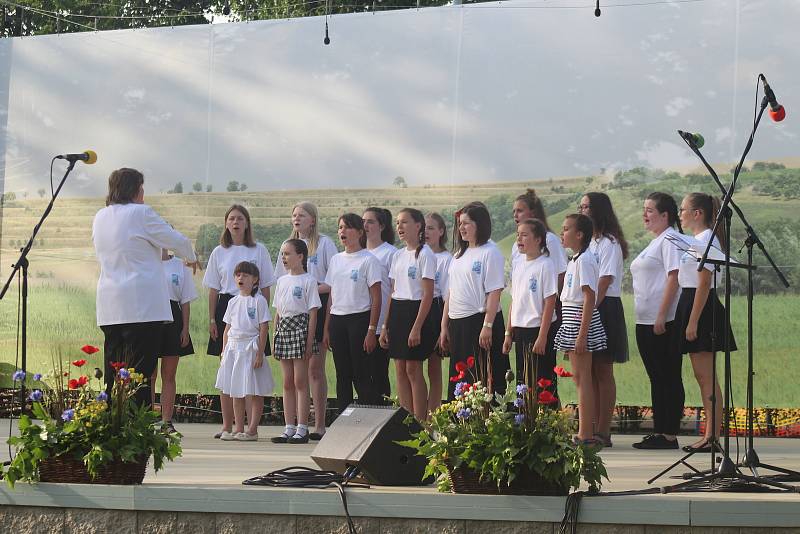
78, 421
501, 438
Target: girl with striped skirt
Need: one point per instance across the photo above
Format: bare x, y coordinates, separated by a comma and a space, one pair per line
296, 304
581, 332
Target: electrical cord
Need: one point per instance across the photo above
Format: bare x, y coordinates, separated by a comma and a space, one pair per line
305, 477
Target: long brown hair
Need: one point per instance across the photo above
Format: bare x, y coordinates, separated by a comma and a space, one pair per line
226, 240
534, 203
605, 220
479, 214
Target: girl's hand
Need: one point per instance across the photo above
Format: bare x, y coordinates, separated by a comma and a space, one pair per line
212, 330
185, 337
444, 341
414, 337
325, 343
507, 345
660, 327
540, 346
691, 331
485, 339
384, 339
580, 344
259, 361
370, 342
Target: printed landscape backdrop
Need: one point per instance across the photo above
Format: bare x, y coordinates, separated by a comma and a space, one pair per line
428, 108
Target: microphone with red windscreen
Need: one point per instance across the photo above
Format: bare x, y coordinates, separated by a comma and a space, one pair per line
776, 111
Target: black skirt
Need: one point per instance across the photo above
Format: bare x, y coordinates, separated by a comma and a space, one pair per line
402, 315
712, 318
171, 334
437, 310
215, 345
612, 316
464, 334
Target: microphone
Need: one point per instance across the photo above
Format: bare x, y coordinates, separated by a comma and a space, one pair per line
88, 157
776, 111
694, 139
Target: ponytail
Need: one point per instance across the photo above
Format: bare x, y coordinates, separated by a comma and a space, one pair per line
666, 204
534, 203
709, 205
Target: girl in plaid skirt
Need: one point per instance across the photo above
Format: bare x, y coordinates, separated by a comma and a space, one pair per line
296, 303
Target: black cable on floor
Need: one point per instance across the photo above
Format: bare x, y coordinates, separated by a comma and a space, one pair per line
569, 524
305, 477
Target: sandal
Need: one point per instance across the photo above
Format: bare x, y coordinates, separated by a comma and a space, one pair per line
298, 439
703, 446
590, 443
605, 439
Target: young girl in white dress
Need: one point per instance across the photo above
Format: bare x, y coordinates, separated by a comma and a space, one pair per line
436, 238
243, 374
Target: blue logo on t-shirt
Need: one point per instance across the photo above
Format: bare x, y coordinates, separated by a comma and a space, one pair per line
251, 312
354, 275
533, 285
313, 259
596, 256
437, 277
412, 272
569, 280
476, 267
297, 292
176, 279
685, 257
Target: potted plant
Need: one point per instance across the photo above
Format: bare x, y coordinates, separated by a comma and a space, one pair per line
79, 434
511, 444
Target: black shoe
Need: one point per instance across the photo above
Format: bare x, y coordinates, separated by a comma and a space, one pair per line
168, 428
705, 447
314, 436
297, 439
656, 441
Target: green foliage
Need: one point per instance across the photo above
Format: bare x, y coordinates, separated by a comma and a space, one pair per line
233, 185
197, 187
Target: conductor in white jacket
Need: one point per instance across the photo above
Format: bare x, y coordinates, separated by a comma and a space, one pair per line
132, 298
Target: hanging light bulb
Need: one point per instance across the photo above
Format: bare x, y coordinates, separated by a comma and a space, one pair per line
597, 9
327, 39
226, 10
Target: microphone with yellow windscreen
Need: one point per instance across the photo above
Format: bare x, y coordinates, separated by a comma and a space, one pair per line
88, 157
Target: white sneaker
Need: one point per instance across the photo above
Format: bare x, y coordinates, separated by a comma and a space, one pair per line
244, 436
227, 436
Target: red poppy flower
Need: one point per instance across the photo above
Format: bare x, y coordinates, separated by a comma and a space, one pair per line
66, 373
546, 397
118, 365
79, 363
560, 371
83, 380
544, 383
458, 377
89, 349
73, 384
461, 367
470, 361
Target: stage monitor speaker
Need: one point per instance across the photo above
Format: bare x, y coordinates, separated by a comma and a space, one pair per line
365, 437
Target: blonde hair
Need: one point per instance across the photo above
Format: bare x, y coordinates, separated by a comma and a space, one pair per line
313, 235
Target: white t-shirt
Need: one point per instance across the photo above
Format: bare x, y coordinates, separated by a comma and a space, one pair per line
128, 239
649, 271
581, 271
222, 262
384, 252
317, 262
179, 281
608, 254
350, 276
296, 294
407, 271
688, 276
440, 280
245, 314
554, 247
479, 271
532, 282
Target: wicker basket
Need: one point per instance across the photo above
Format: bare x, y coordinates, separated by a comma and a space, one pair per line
465, 480
67, 468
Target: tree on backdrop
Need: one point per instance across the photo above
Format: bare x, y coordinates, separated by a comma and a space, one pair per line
233, 185
197, 187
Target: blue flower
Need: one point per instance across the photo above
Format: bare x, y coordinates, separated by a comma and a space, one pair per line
460, 388
124, 374
36, 395
464, 413
68, 414
522, 389
518, 403
37, 376
519, 418
19, 375
103, 396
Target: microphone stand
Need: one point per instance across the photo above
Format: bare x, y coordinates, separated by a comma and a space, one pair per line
21, 266
727, 470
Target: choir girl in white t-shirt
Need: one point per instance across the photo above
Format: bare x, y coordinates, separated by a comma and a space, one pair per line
379, 228
532, 312
700, 316
581, 332
609, 248
436, 238
296, 303
236, 245
408, 333
655, 298
354, 277
321, 249
472, 323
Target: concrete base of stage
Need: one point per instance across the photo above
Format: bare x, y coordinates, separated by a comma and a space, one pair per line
202, 493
